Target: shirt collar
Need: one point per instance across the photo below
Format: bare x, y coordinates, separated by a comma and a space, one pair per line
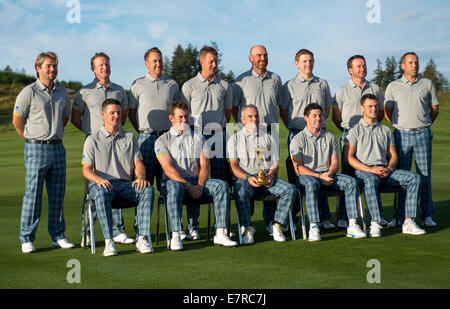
365, 124
353, 85
105, 132
300, 78
40, 86
406, 81
256, 75
162, 78
98, 85
309, 134
202, 79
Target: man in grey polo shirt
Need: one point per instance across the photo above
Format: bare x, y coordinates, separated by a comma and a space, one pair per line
302, 90
185, 162
249, 151
210, 100
41, 112
314, 155
87, 117
412, 105
347, 113
110, 156
369, 144
263, 89
150, 98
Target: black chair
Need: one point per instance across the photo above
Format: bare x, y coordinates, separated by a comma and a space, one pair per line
89, 204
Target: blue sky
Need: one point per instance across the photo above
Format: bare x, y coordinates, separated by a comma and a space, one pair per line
334, 30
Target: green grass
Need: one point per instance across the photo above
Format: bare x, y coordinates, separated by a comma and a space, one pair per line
335, 262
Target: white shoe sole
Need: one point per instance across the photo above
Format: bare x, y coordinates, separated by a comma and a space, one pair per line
355, 236
56, 245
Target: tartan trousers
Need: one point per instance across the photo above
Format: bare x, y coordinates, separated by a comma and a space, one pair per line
174, 194
244, 193
123, 189
324, 207
311, 185
396, 178
43, 163
418, 143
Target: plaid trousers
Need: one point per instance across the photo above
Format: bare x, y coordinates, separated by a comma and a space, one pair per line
418, 143
311, 185
123, 189
244, 193
396, 178
174, 194
324, 207
43, 163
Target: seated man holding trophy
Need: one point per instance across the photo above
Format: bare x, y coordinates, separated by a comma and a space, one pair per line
253, 157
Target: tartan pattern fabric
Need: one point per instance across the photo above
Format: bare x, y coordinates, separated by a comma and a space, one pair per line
43, 163
244, 193
123, 189
397, 178
311, 185
418, 143
174, 194
152, 167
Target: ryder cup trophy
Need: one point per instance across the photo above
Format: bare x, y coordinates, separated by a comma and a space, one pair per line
261, 176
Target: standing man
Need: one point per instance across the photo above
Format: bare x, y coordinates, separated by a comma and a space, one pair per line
412, 105
87, 117
243, 148
314, 153
109, 157
210, 100
185, 163
150, 99
347, 113
41, 112
264, 90
299, 92
369, 144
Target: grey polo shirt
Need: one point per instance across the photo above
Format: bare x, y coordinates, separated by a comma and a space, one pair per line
348, 100
372, 142
43, 111
411, 102
242, 146
152, 98
315, 151
298, 93
89, 99
263, 92
111, 156
207, 100
185, 150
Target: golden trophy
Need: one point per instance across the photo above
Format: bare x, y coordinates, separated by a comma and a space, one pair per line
261, 176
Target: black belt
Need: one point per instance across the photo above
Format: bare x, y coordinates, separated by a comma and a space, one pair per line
36, 141
157, 133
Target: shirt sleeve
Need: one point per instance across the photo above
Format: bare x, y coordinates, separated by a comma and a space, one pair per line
88, 152
161, 148
67, 106
389, 99
136, 150
228, 99
351, 137
279, 87
338, 99
124, 102
185, 94
231, 148
295, 150
287, 99
328, 99
334, 145
78, 102
237, 94
176, 92
434, 95
133, 100
23, 103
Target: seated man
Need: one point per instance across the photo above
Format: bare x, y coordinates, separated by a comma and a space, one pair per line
314, 154
368, 144
249, 151
109, 157
185, 164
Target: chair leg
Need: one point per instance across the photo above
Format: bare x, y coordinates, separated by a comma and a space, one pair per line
338, 205
300, 198
291, 225
362, 212
396, 207
85, 221
157, 222
209, 222
239, 228
167, 225
91, 227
